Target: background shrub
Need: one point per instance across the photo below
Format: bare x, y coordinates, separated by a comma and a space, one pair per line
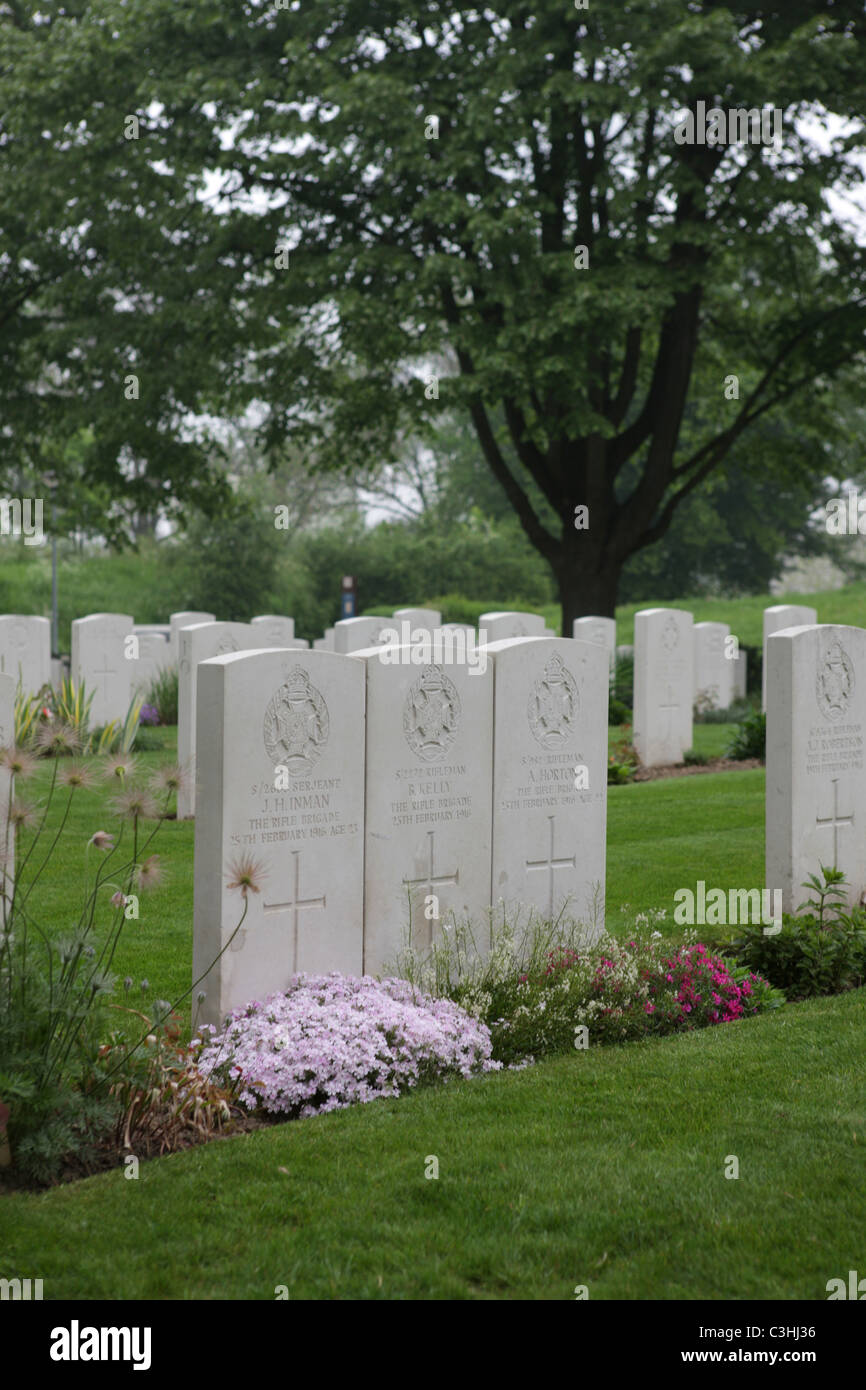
749, 739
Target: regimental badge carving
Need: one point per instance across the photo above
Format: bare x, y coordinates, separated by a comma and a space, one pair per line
520, 630
670, 634
296, 724
834, 685
18, 636
553, 705
431, 714
225, 646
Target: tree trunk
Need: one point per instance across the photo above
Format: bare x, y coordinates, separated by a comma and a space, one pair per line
585, 595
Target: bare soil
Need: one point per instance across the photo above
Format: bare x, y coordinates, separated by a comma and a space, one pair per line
652, 774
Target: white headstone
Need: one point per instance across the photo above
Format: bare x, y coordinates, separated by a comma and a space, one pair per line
198, 643
714, 671
7, 740
428, 618
154, 655
25, 651
550, 777
741, 675
600, 630
498, 627
100, 663
816, 788
429, 765
354, 634
280, 631
663, 685
184, 619
782, 615
281, 779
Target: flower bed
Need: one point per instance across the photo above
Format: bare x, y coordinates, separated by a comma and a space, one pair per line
333, 1040
545, 996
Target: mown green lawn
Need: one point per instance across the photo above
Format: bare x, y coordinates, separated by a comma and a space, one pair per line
605, 1168
667, 834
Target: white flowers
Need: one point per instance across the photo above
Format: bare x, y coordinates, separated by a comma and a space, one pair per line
334, 1040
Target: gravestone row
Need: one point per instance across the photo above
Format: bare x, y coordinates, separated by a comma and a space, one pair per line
387, 800
103, 657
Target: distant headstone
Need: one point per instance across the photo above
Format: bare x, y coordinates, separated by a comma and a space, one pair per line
816, 788
7, 740
280, 755
184, 619
550, 777
25, 651
154, 655
429, 751
353, 634
499, 626
779, 616
714, 672
100, 663
428, 618
741, 674
663, 685
200, 642
600, 630
280, 631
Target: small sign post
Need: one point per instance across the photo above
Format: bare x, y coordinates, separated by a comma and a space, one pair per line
348, 589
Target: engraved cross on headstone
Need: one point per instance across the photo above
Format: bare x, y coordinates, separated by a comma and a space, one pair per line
295, 905
105, 673
551, 864
835, 820
430, 881
670, 707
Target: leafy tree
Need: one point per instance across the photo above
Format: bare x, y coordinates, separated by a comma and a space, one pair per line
429, 171
111, 265
228, 562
